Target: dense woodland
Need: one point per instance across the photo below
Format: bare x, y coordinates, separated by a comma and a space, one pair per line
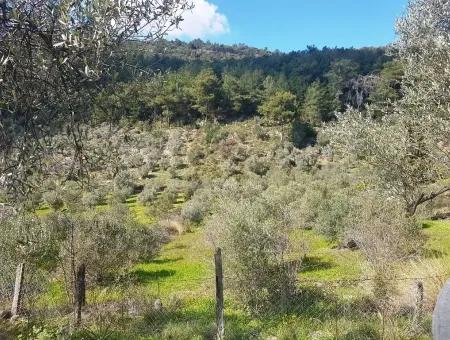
201, 80
127, 160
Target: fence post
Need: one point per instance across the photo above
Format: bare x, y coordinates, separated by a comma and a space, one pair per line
18, 290
80, 292
417, 317
219, 294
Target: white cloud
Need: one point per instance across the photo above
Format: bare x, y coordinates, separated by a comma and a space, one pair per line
202, 21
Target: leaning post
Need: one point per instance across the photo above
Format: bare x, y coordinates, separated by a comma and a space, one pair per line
219, 295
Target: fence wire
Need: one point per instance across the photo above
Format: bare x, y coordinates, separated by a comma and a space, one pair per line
186, 309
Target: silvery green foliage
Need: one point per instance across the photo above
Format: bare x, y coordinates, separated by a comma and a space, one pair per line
194, 211
424, 48
381, 230
405, 152
407, 149
23, 239
54, 57
253, 232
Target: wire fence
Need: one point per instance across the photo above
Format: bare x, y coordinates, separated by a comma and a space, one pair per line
162, 308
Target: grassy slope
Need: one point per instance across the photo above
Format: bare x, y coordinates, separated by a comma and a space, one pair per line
184, 267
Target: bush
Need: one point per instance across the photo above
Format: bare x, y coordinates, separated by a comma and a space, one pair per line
145, 170
54, 200
194, 211
98, 237
149, 194
253, 234
135, 160
258, 165
92, 199
191, 188
124, 183
118, 196
195, 154
214, 133
260, 132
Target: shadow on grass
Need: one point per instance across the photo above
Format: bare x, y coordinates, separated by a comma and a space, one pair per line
177, 246
426, 225
165, 261
144, 276
315, 263
132, 200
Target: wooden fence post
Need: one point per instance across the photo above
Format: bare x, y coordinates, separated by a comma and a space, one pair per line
219, 295
80, 292
418, 307
18, 290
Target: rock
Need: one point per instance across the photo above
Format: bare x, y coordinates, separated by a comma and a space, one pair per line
349, 244
157, 306
5, 315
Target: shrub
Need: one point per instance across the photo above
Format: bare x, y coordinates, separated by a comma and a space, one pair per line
195, 154
194, 211
260, 132
164, 203
253, 234
54, 199
135, 160
258, 165
173, 225
214, 133
92, 199
98, 237
191, 188
386, 237
149, 194
124, 183
118, 196
145, 170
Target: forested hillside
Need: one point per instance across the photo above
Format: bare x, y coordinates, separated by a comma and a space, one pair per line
194, 80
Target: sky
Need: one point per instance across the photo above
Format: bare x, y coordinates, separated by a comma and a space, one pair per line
291, 25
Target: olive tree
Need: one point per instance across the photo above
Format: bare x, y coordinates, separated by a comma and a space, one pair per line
424, 49
385, 236
404, 154
407, 149
258, 254
54, 56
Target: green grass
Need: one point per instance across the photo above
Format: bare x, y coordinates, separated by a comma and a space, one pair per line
324, 261
182, 267
185, 269
438, 233
139, 211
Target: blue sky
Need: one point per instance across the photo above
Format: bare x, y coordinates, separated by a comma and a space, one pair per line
293, 24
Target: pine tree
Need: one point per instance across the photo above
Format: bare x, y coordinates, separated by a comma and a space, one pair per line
206, 90
281, 107
317, 104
